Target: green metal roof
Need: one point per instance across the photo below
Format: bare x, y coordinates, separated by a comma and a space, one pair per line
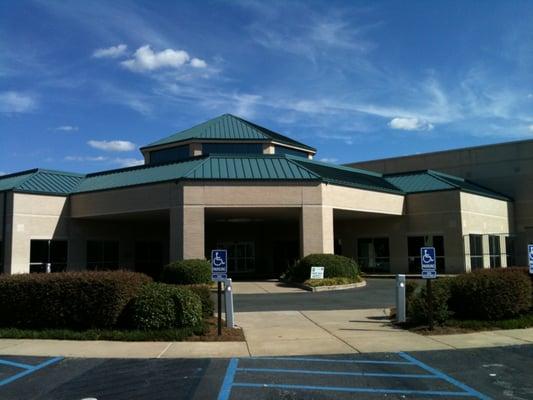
140, 175
264, 167
432, 181
41, 181
228, 127
347, 176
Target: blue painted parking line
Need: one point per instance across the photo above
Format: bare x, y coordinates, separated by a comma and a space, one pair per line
232, 374
338, 373
28, 369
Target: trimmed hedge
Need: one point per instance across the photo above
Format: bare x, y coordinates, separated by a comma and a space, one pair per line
417, 309
187, 272
76, 300
334, 267
204, 293
491, 294
162, 306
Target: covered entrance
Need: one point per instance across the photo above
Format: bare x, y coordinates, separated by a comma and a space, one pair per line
261, 242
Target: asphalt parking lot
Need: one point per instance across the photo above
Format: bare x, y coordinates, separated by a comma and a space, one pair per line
497, 373
379, 293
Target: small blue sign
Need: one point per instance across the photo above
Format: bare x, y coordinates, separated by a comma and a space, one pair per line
428, 261
530, 257
219, 265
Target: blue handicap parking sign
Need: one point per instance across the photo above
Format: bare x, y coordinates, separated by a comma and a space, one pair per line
428, 261
530, 257
219, 265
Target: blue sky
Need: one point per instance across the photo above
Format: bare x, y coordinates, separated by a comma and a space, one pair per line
83, 84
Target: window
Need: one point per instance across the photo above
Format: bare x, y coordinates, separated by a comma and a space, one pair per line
102, 255
476, 251
415, 243
169, 155
510, 250
149, 258
291, 152
53, 252
373, 254
495, 252
241, 256
232, 148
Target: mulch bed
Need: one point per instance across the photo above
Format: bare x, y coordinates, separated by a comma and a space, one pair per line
228, 334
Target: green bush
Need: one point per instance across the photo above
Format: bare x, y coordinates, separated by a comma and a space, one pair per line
204, 292
491, 294
76, 300
417, 306
162, 306
187, 272
334, 267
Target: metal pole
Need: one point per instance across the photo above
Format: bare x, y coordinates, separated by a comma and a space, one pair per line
219, 296
430, 303
400, 298
228, 301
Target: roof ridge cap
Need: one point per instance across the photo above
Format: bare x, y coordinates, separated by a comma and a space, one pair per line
342, 167
292, 161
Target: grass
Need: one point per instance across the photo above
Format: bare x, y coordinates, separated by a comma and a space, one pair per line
330, 281
167, 335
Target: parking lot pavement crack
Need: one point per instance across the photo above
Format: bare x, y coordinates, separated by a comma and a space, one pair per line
329, 332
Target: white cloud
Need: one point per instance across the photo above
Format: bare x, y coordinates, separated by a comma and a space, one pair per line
2, 173
112, 145
410, 124
122, 162
198, 63
530, 96
530, 127
128, 162
145, 59
16, 102
67, 128
111, 52
329, 160
86, 158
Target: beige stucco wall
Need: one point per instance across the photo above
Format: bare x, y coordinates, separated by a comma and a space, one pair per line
353, 199
124, 200
34, 217
506, 168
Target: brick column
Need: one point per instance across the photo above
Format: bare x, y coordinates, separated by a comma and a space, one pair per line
316, 230
187, 233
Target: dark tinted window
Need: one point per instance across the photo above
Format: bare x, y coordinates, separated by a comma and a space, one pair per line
232, 148
169, 155
476, 251
102, 255
291, 152
373, 254
510, 251
53, 252
494, 252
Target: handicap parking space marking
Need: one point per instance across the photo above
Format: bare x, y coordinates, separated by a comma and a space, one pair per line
233, 379
27, 368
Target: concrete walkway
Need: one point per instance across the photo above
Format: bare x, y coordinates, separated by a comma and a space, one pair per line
282, 333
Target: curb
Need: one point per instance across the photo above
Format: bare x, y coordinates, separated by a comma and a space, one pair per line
330, 288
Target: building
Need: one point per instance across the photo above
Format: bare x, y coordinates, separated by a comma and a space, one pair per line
229, 183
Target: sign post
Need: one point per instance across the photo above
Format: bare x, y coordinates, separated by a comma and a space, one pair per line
317, 272
428, 261
530, 257
219, 273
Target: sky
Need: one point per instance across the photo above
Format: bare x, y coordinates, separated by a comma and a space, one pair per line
84, 84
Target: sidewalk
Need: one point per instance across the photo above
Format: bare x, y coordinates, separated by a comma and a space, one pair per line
282, 333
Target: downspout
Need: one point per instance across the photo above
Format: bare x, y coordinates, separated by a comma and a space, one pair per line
4, 232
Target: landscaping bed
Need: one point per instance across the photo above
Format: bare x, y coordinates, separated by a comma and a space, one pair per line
327, 284
477, 301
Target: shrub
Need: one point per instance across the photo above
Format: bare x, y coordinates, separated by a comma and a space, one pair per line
161, 306
417, 306
410, 289
187, 272
76, 300
204, 292
491, 294
334, 267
